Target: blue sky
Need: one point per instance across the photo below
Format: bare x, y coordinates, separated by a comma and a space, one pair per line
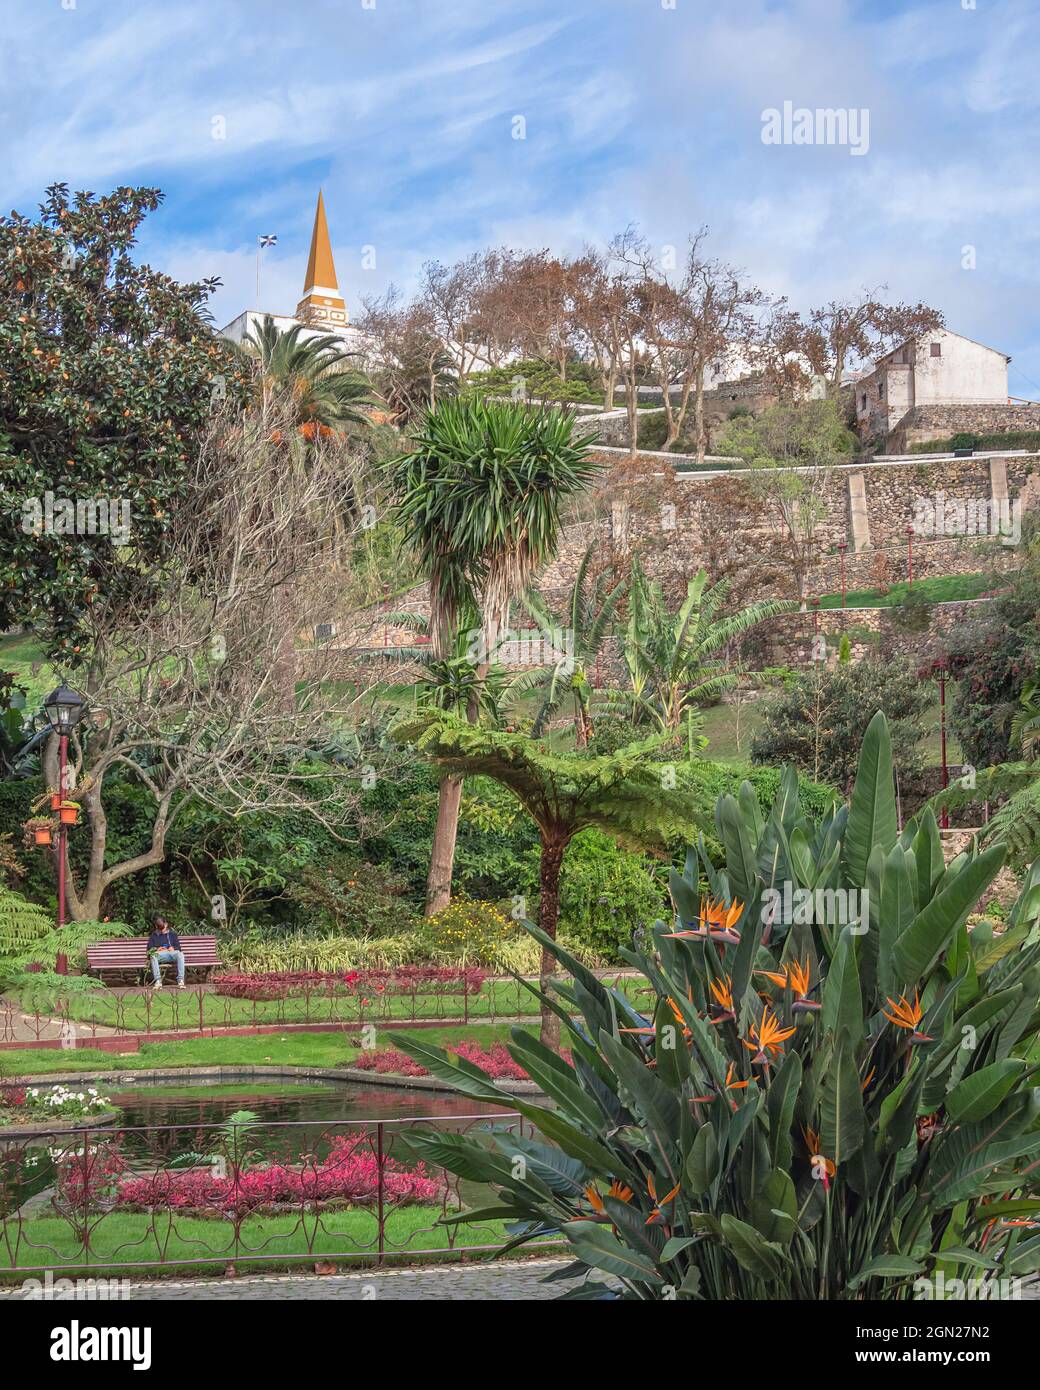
644, 111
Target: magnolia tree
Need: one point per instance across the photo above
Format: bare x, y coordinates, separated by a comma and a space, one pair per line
205, 684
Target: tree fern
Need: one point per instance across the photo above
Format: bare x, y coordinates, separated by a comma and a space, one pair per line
22, 923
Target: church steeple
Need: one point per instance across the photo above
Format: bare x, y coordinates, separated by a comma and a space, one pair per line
322, 304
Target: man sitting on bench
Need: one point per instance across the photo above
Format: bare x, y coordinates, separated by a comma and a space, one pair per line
164, 945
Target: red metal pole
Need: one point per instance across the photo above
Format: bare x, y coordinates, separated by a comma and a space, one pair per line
909, 557
842, 546
942, 741
62, 964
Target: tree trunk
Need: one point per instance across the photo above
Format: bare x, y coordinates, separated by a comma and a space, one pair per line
442, 851
548, 916
698, 409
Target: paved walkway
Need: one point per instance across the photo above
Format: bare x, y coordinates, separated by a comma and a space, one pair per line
502, 1281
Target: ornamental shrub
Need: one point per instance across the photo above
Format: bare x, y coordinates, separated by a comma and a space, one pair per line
467, 930
350, 1173
833, 1095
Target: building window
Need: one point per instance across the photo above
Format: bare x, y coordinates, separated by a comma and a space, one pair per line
935, 349
863, 400
881, 390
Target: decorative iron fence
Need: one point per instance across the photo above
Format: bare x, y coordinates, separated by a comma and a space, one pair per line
253, 1195
201, 1011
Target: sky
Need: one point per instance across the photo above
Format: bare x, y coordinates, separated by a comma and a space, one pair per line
437, 127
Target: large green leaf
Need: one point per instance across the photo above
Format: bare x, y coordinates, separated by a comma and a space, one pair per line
842, 1121
598, 1247
842, 1002
926, 937
702, 1164
979, 1094
751, 1250
885, 1267
872, 810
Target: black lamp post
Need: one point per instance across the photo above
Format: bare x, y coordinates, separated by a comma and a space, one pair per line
64, 709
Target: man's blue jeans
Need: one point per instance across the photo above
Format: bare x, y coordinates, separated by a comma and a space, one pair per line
162, 958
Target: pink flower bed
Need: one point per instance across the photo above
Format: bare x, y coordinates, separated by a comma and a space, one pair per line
347, 1174
495, 1060
404, 979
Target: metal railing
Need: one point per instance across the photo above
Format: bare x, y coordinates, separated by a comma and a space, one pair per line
252, 1195
200, 1011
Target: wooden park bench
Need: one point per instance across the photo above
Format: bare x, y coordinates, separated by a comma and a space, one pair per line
131, 957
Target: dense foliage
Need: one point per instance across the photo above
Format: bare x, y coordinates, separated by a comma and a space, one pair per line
816, 722
828, 1101
110, 372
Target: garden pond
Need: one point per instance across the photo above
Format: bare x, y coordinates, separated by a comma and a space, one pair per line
291, 1122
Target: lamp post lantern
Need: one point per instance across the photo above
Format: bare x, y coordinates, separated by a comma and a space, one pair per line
64, 709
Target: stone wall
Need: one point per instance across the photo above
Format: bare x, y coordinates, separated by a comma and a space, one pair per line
680, 521
926, 422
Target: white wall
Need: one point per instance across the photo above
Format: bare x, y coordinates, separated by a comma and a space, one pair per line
965, 374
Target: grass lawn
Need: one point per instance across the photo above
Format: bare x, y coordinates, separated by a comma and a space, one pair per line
270, 1049
721, 728
292, 1238
17, 654
941, 588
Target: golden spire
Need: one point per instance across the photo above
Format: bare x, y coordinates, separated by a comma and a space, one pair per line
322, 302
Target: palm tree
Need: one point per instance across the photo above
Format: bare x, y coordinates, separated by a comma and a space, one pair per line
451, 684
590, 611
676, 661
312, 375
479, 500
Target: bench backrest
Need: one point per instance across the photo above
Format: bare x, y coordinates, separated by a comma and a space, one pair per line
198, 950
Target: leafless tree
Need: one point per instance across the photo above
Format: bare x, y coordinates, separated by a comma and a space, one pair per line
186, 686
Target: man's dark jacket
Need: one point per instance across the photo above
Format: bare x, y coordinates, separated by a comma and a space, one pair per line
169, 941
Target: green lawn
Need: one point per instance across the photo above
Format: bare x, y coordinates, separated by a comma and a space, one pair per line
19, 654
169, 1240
721, 728
941, 588
270, 1049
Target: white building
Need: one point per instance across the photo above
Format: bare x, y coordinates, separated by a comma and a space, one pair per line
939, 368
321, 309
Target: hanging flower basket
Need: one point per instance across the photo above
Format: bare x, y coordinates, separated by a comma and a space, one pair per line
68, 813
55, 801
38, 830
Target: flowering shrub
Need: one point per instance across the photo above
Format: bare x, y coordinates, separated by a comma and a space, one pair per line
348, 1174
467, 930
56, 1102
404, 979
495, 1060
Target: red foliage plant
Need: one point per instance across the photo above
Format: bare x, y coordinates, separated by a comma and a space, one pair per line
347, 1174
403, 979
495, 1060
12, 1097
